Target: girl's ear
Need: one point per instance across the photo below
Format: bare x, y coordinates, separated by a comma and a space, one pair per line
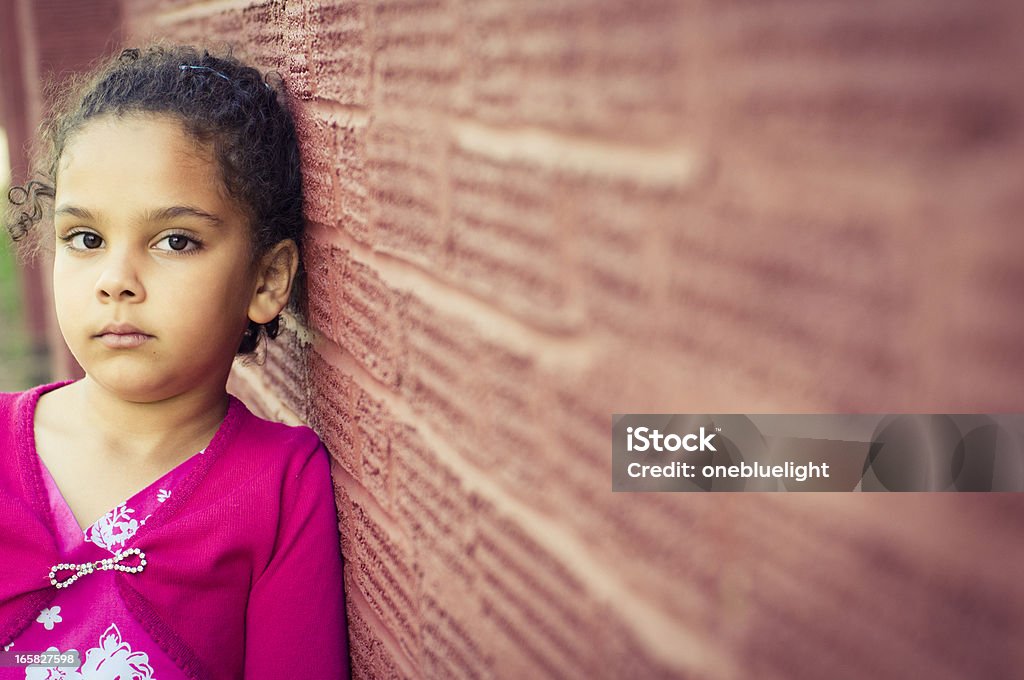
274, 276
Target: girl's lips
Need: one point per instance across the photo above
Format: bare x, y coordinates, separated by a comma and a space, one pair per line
123, 340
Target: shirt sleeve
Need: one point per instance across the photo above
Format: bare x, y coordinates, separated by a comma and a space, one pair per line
296, 613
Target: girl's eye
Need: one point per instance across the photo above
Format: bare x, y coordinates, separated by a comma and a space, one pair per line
84, 240
179, 243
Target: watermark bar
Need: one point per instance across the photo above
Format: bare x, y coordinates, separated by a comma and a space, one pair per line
817, 452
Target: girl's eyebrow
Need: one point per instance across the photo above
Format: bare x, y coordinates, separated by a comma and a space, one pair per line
156, 215
181, 210
74, 211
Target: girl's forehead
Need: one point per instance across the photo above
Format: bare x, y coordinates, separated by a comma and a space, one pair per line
109, 136
138, 160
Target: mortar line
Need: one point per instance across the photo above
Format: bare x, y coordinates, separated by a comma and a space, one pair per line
677, 165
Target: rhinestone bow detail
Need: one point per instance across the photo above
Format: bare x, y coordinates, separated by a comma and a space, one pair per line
99, 565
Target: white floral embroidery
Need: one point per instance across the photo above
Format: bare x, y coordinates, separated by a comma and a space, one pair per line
48, 617
113, 529
52, 673
8, 647
163, 495
115, 660
112, 660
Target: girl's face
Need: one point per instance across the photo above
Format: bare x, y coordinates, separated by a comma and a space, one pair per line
144, 238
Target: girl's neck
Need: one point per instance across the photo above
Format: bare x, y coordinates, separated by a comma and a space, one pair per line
145, 432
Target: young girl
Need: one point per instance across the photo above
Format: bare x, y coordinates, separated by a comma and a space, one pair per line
150, 525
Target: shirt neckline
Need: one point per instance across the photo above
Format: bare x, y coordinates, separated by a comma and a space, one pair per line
31, 464
50, 484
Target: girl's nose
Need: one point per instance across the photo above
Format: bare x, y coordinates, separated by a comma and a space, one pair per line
119, 281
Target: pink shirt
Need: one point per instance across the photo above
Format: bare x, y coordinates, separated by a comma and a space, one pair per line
243, 564
91, 618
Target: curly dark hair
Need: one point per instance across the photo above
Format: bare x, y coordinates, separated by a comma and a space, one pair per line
221, 102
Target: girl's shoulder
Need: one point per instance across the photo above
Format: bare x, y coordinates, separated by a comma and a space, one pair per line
273, 430
268, 437
16, 404
267, 458
8, 412
8, 399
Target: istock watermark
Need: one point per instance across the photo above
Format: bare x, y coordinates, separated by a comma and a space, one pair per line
646, 438
817, 452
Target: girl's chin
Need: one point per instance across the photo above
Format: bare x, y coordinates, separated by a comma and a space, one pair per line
134, 386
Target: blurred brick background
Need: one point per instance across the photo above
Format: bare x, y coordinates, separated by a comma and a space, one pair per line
527, 215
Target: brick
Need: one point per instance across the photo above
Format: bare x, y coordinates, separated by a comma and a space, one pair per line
372, 421
351, 178
325, 269
371, 658
350, 304
449, 650
532, 600
435, 382
415, 55
621, 260
340, 55
507, 243
366, 325
330, 412
317, 145
980, 323
433, 510
520, 455
942, 624
344, 503
774, 279
614, 69
404, 166
907, 85
318, 265
297, 40
386, 578
263, 31
285, 371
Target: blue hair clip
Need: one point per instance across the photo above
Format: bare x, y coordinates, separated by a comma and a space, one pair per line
213, 70
204, 68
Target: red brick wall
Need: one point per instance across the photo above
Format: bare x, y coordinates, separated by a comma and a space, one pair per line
526, 216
